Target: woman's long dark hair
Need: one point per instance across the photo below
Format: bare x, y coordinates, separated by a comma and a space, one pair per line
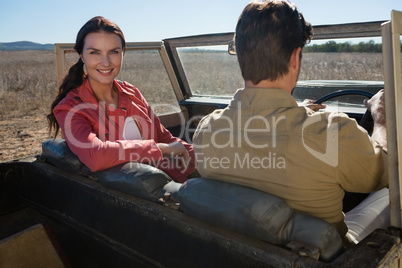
75, 76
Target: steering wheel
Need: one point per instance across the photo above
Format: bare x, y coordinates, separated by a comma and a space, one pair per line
363, 122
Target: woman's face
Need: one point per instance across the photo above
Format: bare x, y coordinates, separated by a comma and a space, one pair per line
103, 57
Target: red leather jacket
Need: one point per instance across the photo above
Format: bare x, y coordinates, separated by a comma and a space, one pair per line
94, 131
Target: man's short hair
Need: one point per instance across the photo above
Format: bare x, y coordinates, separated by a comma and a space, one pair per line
266, 35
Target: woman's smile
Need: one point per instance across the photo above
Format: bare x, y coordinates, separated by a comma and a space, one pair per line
105, 71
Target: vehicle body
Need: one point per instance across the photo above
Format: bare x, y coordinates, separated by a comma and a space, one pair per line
99, 227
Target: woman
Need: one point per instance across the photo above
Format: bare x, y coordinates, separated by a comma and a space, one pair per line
106, 122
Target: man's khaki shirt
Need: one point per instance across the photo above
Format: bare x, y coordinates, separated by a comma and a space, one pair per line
264, 140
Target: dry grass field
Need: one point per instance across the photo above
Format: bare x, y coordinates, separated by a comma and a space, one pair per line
342, 66
27, 83
28, 86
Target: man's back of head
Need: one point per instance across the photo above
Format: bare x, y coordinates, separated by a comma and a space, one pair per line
266, 35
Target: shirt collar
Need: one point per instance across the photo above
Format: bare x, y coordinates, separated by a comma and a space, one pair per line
262, 98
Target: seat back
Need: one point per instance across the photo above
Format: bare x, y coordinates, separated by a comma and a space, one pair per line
132, 178
257, 214
57, 153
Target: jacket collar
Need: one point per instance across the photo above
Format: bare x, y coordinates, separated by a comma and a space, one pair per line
86, 94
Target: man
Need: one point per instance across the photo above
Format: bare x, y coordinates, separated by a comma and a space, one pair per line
264, 140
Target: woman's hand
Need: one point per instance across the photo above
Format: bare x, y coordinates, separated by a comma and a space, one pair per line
310, 104
172, 150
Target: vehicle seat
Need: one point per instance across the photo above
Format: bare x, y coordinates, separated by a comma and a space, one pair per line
244, 210
257, 214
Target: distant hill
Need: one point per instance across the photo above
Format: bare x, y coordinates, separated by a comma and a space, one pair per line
25, 45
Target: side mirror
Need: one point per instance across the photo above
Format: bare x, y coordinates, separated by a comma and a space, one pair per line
232, 48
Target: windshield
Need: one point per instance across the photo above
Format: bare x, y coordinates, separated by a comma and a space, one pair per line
331, 64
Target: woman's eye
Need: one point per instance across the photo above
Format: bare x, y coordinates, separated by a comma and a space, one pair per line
114, 52
93, 52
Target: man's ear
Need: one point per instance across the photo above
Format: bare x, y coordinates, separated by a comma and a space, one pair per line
295, 59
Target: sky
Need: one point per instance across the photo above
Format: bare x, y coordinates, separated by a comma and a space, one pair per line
58, 21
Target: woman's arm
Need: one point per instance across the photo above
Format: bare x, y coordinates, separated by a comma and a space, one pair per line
97, 154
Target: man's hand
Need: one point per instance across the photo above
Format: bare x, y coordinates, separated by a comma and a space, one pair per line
376, 105
310, 104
